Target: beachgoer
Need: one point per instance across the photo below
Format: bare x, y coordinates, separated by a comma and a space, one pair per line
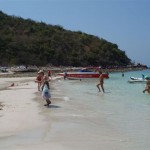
44, 79
122, 74
46, 93
101, 82
65, 75
50, 75
147, 88
143, 76
39, 79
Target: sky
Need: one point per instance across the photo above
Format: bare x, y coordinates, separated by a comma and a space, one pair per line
123, 22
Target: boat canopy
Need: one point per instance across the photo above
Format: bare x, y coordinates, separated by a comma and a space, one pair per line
90, 69
85, 70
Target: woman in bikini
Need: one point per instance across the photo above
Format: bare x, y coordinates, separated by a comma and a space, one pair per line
39, 79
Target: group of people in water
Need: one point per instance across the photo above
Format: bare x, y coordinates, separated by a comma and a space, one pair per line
43, 84
42, 81
101, 83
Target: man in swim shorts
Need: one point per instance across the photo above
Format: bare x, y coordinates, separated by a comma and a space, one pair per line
147, 88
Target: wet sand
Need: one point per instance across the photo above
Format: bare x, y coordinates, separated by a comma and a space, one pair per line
25, 124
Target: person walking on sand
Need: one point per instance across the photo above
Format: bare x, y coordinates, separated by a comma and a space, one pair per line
101, 82
147, 88
46, 93
39, 79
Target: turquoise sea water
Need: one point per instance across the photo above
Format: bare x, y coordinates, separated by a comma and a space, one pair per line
124, 106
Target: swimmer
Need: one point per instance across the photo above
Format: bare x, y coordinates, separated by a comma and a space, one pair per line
101, 83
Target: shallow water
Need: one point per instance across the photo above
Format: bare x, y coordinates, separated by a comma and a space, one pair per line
124, 109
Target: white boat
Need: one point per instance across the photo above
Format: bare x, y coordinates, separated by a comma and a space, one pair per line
134, 78
137, 81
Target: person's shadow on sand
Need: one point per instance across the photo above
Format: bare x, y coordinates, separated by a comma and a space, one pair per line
53, 106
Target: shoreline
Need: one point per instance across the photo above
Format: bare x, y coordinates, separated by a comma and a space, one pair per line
56, 70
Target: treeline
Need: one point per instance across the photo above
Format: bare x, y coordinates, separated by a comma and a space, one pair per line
24, 41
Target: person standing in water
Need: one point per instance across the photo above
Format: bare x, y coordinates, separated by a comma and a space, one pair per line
50, 75
65, 75
39, 79
147, 88
101, 82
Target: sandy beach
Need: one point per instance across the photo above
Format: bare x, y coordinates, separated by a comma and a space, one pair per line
23, 118
19, 109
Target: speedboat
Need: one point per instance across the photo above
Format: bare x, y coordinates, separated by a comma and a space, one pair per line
134, 78
84, 73
138, 80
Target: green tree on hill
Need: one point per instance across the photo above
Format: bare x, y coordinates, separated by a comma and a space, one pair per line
24, 41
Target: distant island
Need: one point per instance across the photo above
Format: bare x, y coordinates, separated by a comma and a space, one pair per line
24, 41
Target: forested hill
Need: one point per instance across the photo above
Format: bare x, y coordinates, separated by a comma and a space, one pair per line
24, 41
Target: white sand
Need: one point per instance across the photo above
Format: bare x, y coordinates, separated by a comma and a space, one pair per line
20, 112
25, 124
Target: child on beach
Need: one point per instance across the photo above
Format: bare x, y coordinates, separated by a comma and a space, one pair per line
46, 93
